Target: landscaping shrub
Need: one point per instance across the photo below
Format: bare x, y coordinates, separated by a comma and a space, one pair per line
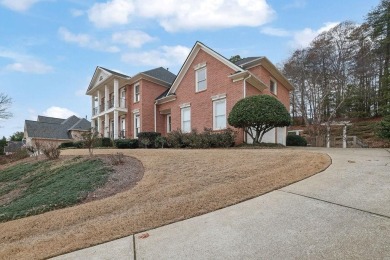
78, 144
19, 155
160, 141
206, 139
51, 151
66, 145
296, 140
148, 139
126, 143
106, 142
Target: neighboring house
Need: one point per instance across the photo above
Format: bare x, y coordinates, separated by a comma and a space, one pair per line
200, 96
12, 147
57, 130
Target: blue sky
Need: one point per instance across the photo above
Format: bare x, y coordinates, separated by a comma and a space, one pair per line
49, 49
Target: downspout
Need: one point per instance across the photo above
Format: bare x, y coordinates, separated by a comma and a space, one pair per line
245, 84
155, 118
244, 94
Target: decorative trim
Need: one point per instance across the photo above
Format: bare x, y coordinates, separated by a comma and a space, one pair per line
217, 97
200, 65
135, 111
185, 105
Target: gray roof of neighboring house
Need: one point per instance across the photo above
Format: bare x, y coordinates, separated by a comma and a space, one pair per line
13, 146
161, 74
51, 120
246, 60
55, 130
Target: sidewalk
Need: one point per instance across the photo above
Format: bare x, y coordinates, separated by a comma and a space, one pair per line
341, 213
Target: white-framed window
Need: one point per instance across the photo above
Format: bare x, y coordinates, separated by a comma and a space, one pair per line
137, 125
201, 79
137, 95
169, 123
186, 119
273, 86
219, 114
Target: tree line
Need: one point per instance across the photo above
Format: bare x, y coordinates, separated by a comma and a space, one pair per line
344, 72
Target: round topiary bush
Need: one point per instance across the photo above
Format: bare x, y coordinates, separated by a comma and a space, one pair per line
296, 140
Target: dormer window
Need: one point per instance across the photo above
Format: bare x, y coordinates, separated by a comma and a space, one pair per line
273, 86
201, 79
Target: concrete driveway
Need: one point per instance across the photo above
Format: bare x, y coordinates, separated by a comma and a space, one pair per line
341, 213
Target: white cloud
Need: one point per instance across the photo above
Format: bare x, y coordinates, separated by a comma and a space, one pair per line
58, 112
132, 38
275, 31
111, 13
24, 63
29, 66
164, 56
304, 37
18, 5
85, 40
179, 15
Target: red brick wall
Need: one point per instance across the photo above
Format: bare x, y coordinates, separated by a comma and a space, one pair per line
282, 93
148, 93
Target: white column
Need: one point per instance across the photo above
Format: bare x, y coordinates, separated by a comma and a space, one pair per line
93, 105
99, 125
99, 97
116, 93
327, 136
93, 124
106, 97
116, 124
106, 125
345, 136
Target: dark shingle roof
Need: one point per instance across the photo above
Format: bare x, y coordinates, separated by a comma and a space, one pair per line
39, 129
13, 146
163, 94
161, 74
246, 60
82, 124
51, 120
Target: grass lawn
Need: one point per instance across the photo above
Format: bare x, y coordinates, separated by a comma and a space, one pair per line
177, 184
35, 187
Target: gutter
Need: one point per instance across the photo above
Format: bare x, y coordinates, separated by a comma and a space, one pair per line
245, 85
155, 118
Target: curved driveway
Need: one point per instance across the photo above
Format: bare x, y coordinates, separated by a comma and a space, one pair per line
341, 213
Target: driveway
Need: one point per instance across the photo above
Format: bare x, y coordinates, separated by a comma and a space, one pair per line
341, 213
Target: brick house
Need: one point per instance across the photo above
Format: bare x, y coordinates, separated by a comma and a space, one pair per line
200, 96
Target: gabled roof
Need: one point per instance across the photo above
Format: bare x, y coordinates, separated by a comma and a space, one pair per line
83, 125
13, 146
102, 74
51, 120
245, 61
194, 51
51, 128
161, 74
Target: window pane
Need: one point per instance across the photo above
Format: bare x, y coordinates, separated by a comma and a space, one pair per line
220, 122
186, 114
186, 119
201, 85
201, 74
220, 107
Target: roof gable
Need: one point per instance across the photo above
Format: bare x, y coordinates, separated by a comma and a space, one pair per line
101, 74
190, 58
161, 74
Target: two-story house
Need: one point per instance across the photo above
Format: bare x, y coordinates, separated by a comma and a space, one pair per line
200, 96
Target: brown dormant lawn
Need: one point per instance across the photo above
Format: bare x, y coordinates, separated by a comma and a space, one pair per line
177, 184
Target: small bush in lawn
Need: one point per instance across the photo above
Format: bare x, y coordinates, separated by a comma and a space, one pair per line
51, 151
117, 158
296, 140
126, 143
148, 139
19, 154
78, 144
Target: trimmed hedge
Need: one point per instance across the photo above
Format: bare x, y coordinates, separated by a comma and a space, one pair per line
296, 140
206, 139
148, 139
126, 143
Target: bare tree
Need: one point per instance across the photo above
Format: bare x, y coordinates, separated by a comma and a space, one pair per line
5, 103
